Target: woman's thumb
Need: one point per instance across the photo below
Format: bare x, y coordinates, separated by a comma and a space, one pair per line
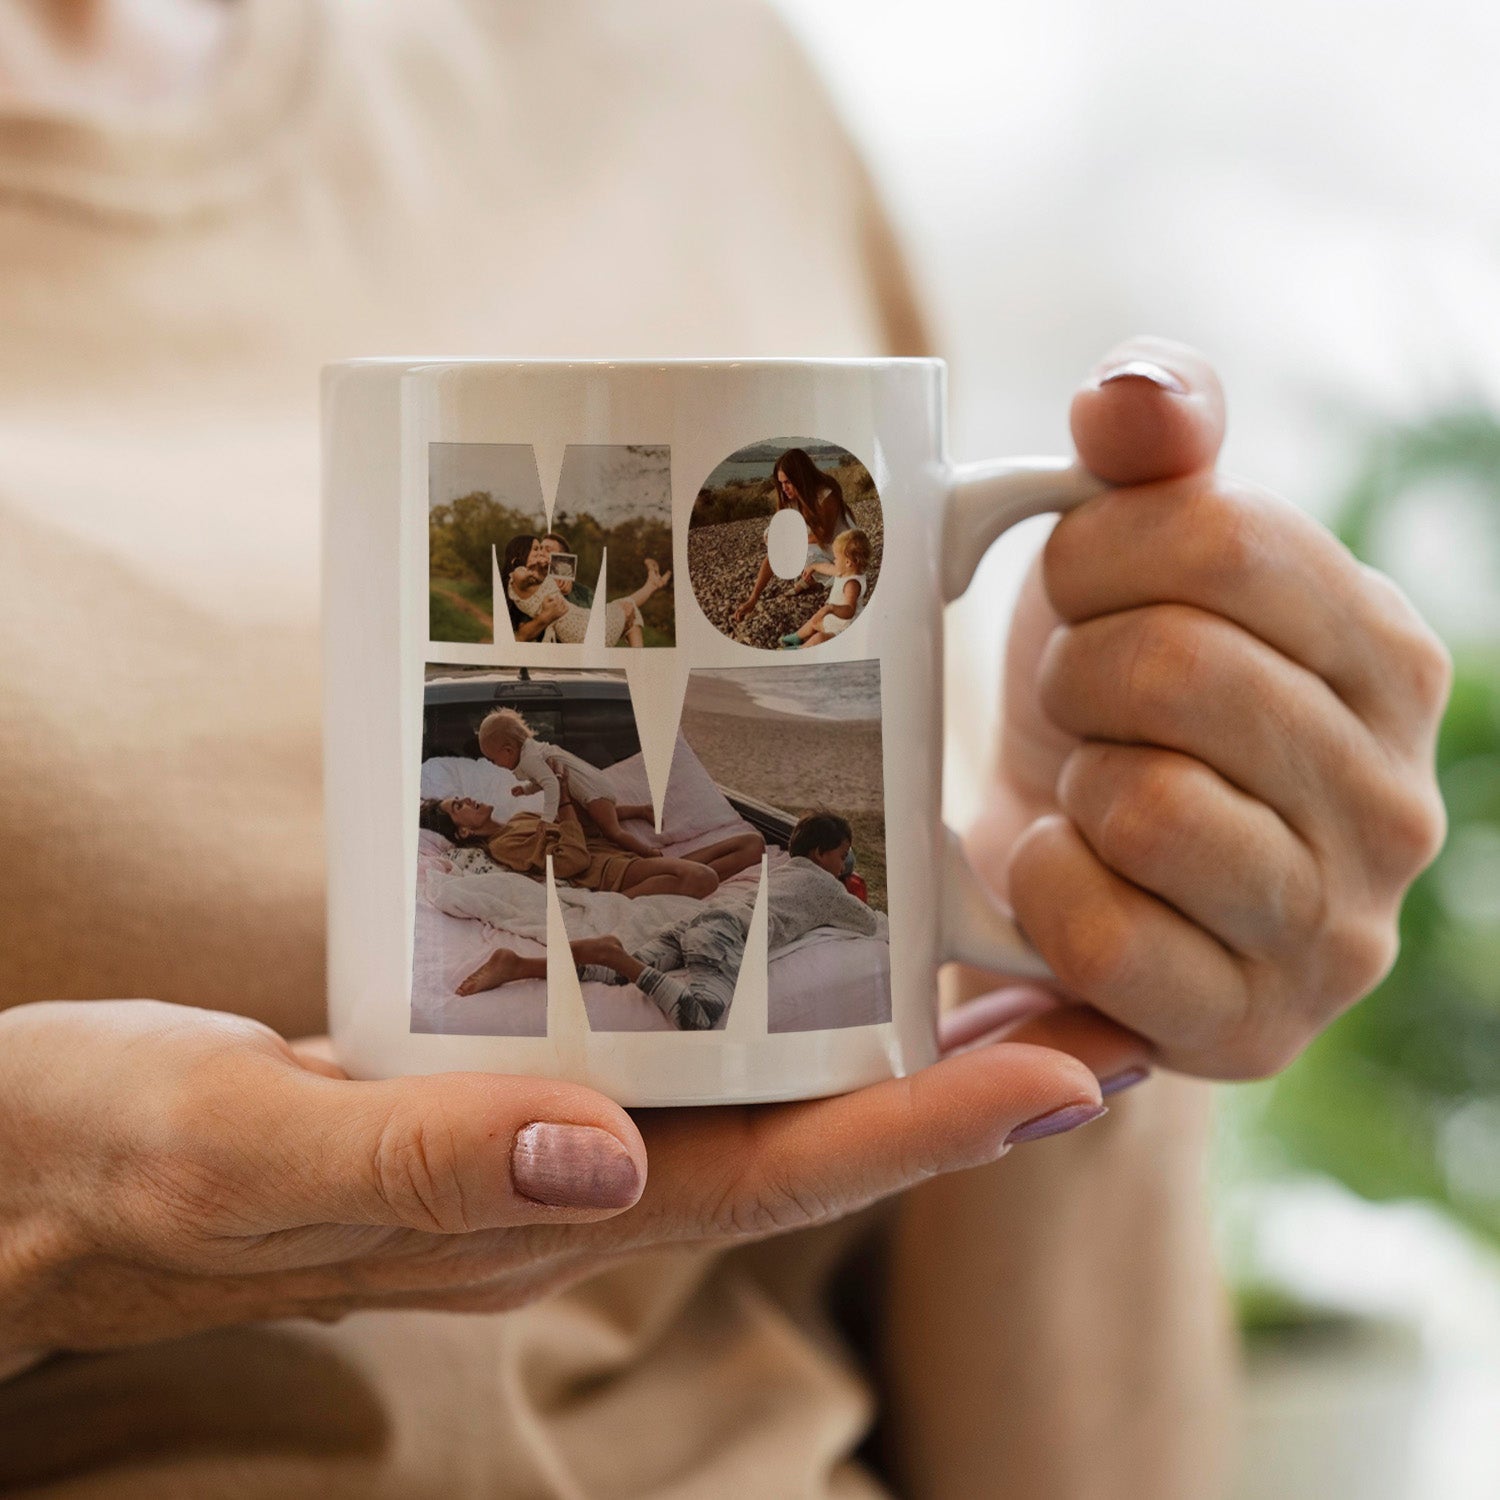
451, 1153
1150, 410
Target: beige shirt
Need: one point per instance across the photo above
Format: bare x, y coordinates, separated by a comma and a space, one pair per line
367, 177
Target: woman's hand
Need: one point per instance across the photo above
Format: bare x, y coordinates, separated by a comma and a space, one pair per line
762, 578
1216, 772
552, 610
170, 1169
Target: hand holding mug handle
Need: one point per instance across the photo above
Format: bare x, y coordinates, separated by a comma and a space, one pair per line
985, 500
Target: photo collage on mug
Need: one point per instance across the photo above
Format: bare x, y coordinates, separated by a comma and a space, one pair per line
776, 772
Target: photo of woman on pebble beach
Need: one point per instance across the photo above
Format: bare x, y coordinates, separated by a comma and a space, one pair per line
736, 586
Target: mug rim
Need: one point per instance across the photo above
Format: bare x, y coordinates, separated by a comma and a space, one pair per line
635, 362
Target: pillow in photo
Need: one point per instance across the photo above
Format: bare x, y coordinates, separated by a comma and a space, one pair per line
430, 841
694, 805
483, 780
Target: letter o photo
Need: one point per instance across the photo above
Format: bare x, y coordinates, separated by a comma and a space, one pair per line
760, 594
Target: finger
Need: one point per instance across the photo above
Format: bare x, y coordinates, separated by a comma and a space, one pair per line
991, 1012
1151, 409
747, 1173
1126, 952
315, 1053
1226, 547
1031, 747
1175, 827
1029, 1013
1117, 1057
1189, 681
446, 1154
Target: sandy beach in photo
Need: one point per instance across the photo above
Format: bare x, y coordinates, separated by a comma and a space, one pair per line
793, 761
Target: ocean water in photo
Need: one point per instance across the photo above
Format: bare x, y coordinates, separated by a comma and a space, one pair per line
754, 463
837, 690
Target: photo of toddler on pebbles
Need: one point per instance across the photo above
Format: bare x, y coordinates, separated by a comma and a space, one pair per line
735, 585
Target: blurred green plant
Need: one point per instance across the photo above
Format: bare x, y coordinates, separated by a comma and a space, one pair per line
1400, 1098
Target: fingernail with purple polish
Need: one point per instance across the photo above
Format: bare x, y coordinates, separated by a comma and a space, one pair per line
1126, 1078
573, 1166
1069, 1117
1144, 369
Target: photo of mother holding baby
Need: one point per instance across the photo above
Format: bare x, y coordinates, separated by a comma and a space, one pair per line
537, 596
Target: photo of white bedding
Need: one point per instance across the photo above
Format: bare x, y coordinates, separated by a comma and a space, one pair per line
465, 910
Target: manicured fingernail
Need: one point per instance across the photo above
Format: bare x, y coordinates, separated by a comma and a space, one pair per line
1144, 369
1069, 1117
1126, 1078
573, 1166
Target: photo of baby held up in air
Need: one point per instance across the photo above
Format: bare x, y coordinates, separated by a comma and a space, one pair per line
522, 768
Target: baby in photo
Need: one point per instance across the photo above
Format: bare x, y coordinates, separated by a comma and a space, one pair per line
849, 586
532, 585
805, 893
508, 741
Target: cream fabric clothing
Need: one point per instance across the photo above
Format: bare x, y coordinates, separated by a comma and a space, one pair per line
366, 177
572, 626
586, 783
837, 587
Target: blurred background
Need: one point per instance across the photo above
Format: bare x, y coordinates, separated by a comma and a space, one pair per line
1306, 189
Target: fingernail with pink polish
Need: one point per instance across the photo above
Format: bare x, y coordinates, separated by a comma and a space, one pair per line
1124, 1079
1144, 369
573, 1166
1069, 1117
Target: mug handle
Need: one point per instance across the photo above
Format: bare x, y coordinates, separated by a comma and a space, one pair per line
983, 501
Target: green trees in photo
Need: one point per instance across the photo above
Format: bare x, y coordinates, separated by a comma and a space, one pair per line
461, 533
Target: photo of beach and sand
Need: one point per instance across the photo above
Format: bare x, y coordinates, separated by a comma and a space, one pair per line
799, 741
727, 548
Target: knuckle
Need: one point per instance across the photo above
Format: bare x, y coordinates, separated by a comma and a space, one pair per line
1260, 1051
769, 1196
1431, 669
1416, 654
1227, 533
188, 1158
415, 1170
1300, 903
1067, 556
1092, 950
1060, 670
1142, 817
1357, 956
1407, 830
1165, 652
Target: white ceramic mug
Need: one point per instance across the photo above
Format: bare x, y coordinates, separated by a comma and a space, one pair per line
412, 448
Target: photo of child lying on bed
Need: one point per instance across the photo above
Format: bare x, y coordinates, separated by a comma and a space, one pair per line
806, 892
658, 940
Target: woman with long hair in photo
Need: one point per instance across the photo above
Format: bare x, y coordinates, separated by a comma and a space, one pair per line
533, 625
532, 589
522, 842
819, 498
